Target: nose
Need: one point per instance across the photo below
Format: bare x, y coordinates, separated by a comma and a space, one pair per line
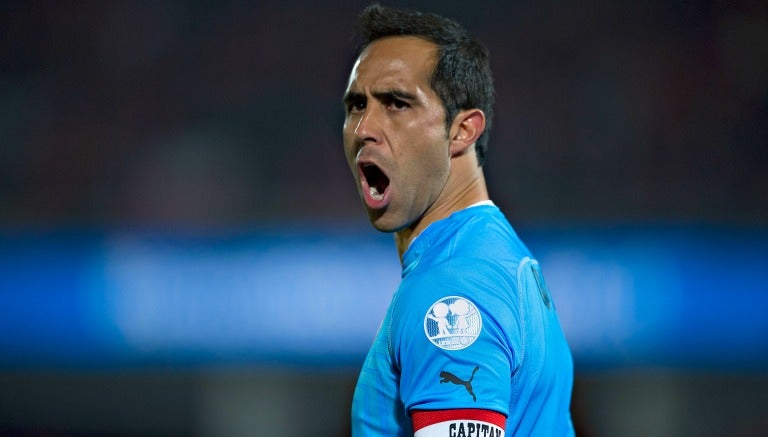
368, 129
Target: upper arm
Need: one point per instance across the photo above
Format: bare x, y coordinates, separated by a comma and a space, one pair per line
460, 422
452, 344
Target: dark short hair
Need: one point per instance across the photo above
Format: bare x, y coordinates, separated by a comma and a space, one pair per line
462, 77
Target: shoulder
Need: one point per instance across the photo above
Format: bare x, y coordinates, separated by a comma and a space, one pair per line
482, 248
488, 235
478, 257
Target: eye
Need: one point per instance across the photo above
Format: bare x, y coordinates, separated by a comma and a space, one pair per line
355, 106
398, 105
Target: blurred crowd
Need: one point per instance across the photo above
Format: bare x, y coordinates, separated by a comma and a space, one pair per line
221, 114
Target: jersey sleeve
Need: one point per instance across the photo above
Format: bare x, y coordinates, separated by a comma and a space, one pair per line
455, 338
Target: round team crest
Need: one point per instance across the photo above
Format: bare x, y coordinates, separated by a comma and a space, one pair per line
453, 323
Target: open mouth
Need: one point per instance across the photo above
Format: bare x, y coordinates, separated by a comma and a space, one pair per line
376, 181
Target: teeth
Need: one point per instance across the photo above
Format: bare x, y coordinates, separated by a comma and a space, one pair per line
375, 193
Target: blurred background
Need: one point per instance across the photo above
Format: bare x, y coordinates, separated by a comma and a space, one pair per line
182, 250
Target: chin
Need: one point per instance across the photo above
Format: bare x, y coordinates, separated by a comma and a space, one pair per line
381, 222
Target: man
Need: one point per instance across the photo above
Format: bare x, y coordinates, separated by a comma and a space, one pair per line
471, 344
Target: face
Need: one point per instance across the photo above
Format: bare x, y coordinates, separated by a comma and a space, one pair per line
395, 137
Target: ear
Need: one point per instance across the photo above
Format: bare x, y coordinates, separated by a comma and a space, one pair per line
466, 129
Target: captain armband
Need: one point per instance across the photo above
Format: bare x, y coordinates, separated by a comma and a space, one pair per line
458, 423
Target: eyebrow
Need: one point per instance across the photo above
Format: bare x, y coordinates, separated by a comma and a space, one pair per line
352, 96
392, 94
386, 95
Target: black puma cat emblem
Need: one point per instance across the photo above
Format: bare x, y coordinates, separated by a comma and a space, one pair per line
450, 377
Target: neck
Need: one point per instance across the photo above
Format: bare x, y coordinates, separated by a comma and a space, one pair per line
465, 187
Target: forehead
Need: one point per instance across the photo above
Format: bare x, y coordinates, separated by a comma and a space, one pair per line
397, 61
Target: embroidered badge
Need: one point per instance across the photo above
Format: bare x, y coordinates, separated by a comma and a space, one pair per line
452, 323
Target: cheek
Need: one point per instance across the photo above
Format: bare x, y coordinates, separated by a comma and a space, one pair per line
429, 162
348, 139
426, 137
436, 165
434, 151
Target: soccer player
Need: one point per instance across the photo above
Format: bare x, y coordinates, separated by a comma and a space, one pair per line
471, 344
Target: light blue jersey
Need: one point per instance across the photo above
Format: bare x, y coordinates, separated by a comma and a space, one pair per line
472, 325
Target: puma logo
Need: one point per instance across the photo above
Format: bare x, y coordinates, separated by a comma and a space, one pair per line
450, 377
